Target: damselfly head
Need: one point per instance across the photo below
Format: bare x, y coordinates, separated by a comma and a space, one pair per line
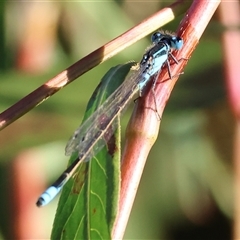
170, 39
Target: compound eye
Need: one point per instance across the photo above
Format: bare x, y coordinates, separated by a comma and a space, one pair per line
156, 37
176, 43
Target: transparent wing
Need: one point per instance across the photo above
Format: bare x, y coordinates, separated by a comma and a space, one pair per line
99, 127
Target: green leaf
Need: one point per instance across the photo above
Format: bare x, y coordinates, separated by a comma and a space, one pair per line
88, 204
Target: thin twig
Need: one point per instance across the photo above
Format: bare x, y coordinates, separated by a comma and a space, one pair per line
85, 64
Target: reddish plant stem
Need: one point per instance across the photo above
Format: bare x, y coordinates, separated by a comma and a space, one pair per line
143, 127
230, 18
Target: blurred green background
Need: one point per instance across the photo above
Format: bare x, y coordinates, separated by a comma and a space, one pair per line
186, 188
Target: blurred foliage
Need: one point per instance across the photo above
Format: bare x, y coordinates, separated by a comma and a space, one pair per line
186, 189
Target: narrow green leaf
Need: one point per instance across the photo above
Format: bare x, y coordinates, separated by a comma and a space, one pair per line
88, 204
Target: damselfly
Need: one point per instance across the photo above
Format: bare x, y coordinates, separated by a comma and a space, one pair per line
88, 140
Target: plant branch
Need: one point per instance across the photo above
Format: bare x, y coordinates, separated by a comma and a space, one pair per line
143, 127
93, 59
